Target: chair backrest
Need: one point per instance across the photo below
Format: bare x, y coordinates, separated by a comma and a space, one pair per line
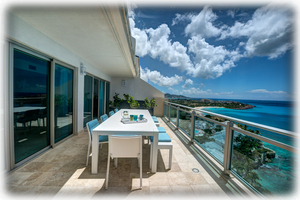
90, 126
116, 110
125, 146
103, 118
32, 114
111, 113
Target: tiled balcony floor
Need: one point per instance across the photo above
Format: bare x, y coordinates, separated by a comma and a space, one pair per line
62, 172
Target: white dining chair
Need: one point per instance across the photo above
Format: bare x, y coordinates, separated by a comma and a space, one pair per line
111, 113
124, 147
102, 138
164, 142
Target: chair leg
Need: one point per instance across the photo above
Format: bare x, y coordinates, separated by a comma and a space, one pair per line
116, 162
150, 156
170, 157
88, 154
107, 171
141, 171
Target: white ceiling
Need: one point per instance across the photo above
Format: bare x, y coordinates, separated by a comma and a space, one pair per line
83, 30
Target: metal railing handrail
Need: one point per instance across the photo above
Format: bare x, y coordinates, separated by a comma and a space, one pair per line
265, 127
228, 142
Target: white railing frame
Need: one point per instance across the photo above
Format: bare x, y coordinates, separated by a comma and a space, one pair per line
229, 128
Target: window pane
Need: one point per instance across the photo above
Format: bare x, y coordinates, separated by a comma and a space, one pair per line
107, 97
101, 99
31, 104
63, 115
211, 137
268, 168
87, 116
96, 99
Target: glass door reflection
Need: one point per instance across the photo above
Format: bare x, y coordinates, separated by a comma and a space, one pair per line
31, 104
88, 91
96, 99
101, 99
63, 112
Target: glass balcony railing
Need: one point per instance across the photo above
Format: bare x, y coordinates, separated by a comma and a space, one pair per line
260, 156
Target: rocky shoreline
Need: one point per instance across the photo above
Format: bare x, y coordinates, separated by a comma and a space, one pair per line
245, 108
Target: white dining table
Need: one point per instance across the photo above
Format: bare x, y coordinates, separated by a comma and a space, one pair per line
26, 108
114, 126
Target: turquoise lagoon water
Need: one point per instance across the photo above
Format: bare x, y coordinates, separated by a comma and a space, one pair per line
279, 176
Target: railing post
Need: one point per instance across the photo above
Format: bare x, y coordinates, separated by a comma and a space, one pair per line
192, 126
177, 118
169, 113
228, 148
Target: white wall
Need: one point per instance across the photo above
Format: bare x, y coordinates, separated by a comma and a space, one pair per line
24, 33
135, 87
139, 90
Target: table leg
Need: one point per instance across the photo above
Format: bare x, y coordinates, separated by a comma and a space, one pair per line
95, 148
154, 153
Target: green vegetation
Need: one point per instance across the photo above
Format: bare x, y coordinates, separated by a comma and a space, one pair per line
149, 104
212, 103
133, 103
117, 101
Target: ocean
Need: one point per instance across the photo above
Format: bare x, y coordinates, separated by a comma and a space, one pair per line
278, 176
279, 114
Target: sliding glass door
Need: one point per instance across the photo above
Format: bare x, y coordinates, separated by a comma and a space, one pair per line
107, 97
101, 98
96, 99
95, 92
31, 75
88, 102
63, 112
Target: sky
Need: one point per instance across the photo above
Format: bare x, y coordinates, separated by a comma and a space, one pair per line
220, 52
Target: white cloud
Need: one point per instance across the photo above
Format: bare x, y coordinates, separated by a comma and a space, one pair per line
141, 37
161, 47
210, 61
131, 7
267, 92
188, 83
201, 24
180, 18
173, 90
157, 78
268, 32
156, 43
231, 13
197, 92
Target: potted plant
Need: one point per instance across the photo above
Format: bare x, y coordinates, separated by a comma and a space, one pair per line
117, 101
150, 104
133, 103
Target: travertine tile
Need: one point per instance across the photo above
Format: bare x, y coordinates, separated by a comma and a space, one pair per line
36, 179
177, 178
159, 179
203, 190
33, 167
57, 179
182, 191
61, 172
16, 178
160, 191
195, 178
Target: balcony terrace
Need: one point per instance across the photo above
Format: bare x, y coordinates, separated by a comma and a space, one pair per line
62, 172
